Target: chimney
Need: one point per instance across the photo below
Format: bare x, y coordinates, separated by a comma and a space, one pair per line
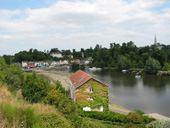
94, 76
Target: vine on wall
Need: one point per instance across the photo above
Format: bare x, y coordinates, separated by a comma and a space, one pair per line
99, 95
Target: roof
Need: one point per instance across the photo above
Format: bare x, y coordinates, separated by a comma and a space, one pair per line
80, 77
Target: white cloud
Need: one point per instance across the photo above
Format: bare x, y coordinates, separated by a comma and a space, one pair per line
76, 24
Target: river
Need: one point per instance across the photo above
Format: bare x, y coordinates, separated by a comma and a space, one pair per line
150, 93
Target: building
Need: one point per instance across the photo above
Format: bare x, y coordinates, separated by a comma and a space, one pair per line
70, 56
58, 55
158, 45
24, 64
31, 64
90, 93
77, 61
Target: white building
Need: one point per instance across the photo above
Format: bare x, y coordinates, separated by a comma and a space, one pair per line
58, 55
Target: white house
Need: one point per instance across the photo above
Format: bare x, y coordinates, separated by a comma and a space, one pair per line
58, 55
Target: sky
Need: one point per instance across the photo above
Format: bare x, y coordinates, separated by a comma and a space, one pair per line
76, 24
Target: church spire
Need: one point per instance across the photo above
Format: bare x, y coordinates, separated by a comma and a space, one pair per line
155, 41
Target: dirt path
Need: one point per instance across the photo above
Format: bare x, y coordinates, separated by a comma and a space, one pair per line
63, 77
116, 108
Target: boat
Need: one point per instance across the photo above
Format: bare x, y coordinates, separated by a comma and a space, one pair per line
137, 76
95, 69
125, 70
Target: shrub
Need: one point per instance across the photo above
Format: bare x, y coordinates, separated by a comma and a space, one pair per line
130, 125
161, 123
134, 118
53, 121
107, 116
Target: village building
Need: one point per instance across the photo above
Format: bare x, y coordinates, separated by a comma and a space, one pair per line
58, 55
24, 64
70, 56
31, 64
90, 93
77, 61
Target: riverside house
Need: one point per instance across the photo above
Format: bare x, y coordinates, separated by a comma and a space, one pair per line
90, 93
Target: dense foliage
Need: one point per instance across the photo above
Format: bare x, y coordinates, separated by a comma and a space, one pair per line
11, 74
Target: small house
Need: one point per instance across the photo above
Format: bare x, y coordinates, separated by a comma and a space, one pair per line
31, 64
24, 64
89, 92
58, 55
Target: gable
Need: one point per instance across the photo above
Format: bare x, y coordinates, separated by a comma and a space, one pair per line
80, 77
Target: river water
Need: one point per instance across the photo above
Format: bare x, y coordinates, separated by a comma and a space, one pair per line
150, 93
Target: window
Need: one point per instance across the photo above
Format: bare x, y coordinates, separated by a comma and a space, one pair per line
91, 89
91, 98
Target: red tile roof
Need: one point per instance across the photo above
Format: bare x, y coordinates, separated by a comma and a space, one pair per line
80, 77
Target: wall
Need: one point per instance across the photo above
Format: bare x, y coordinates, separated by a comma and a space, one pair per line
99, 94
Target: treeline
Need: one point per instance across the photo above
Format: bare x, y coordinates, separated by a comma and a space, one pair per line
124, 56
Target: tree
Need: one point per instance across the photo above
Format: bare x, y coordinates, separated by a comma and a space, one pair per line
54, 50
15, 76
75, 66
140, 64
166, 67
3, 68
35, 88
8, 59
152, 65
123, 62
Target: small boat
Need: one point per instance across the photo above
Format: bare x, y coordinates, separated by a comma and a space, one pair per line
137, 76
95, 69
125, 70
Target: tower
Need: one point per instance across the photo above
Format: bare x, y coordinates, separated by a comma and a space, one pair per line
155, 41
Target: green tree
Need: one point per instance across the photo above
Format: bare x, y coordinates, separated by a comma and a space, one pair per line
152, 65
75, 66
3, 68
8, 59
15, 76
35, 88
166, 67
140, 64
123, 62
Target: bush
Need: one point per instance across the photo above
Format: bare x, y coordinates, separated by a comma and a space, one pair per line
79, 122
53, 121
162, 123
107, 116
134, 118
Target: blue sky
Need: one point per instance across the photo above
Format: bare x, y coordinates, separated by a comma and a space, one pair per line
69, 24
